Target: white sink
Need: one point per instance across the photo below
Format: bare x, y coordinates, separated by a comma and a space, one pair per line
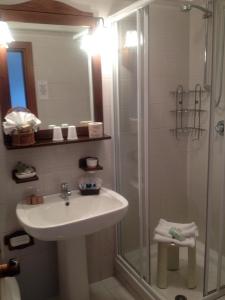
55, 221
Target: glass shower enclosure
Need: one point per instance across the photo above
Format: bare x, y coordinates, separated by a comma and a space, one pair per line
170, 155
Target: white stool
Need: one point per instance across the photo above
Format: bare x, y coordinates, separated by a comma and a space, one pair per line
168, 259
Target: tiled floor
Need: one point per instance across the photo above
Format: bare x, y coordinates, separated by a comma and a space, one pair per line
109, 289
177, 279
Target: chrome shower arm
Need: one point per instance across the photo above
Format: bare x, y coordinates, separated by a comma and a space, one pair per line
188, 6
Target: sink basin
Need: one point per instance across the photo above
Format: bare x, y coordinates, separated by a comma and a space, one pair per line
54, 221
68, 224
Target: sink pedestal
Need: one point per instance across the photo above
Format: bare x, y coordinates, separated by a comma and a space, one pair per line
68, 225
72, 264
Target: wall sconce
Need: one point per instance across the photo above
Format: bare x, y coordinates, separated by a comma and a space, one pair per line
5, 35
96, 41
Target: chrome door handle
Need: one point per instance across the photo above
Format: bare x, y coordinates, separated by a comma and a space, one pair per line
220, 127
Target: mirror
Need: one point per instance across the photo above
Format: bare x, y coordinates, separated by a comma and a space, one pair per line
67, 86
61, 69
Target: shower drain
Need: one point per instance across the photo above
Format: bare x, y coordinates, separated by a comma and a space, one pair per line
180, 297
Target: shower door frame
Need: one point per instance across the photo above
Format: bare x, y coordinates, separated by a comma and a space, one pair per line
142, 93
219, 291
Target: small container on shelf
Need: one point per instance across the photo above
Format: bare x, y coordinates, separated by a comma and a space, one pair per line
92, 162
33, 196
95, 129
34, 200
89, 184
89, 164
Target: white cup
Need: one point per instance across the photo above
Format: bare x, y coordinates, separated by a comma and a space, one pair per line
57, 134
91, 162
64, 125
85, 123
51, 126
72, 133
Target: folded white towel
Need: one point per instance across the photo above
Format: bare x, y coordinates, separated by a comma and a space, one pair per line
179, 225
187, 230
177, 233
188, 242
164, 230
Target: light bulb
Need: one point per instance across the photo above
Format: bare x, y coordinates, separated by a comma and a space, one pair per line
5, 35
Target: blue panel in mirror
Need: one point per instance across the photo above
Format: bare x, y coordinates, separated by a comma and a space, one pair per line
16, 79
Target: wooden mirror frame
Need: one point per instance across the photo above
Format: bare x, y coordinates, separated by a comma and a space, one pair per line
57, 13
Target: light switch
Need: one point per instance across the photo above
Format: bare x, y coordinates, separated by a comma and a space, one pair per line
43, 89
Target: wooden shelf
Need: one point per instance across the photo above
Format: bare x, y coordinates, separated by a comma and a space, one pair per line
18, 180
187, 110
44, 143
86, 169
83, 165
187, 92
89, 192
187, 129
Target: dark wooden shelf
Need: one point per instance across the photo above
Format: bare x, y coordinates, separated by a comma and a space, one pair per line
44, 143
89, 192
83, 165
18, 180
86, 169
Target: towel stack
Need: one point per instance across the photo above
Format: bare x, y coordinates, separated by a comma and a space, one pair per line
177, 233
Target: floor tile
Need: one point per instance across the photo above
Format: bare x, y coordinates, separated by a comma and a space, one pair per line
109, 289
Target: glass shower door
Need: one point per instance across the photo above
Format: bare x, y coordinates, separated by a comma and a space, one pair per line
130, 139
215, 250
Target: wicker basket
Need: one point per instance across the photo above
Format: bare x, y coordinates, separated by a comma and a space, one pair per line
23, 137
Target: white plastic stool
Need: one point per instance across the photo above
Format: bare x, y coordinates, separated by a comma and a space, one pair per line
168, 259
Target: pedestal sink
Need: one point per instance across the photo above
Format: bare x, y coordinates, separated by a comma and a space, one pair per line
68, 225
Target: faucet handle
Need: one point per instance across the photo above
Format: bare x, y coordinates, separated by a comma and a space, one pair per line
64, 186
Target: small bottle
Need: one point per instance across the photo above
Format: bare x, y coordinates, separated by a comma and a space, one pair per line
39, 197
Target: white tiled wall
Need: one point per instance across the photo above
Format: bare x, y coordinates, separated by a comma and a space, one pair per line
169, 52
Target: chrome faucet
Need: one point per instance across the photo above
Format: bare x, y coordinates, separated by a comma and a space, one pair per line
65, 192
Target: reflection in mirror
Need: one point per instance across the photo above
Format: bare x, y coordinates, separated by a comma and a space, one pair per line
62, 72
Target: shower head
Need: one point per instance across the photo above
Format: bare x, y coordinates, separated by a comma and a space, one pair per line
188, 7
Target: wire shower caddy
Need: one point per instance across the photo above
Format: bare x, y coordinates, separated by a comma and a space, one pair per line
193, 128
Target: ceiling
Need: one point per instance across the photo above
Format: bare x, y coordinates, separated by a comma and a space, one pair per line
98, 7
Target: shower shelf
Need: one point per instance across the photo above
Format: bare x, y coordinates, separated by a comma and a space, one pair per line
186, 92
187, 130
187, 110
194, 120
